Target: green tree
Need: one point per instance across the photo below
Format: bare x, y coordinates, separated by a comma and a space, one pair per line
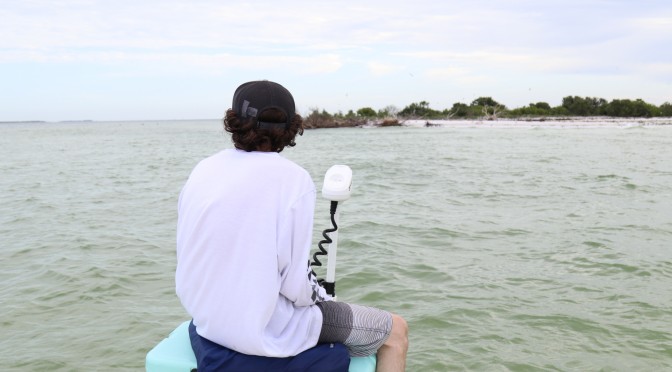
666, 109
559, 111
575, 105
390, 111
486, 107
317, 119
587, 106
541, 105
419, 110
366, 112
534, 109
460, 110
485, 101
628, 108
531, 110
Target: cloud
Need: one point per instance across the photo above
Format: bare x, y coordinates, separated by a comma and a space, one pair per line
457, 74
496, 60
203, 24
545, 37
569, 46
381, 69
659, 72
157, 63
655, 24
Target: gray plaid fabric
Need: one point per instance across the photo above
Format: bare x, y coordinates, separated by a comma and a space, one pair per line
362, 329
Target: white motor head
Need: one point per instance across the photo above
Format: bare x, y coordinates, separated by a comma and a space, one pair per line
337, 183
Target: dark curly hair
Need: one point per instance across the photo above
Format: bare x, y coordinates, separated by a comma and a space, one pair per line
246, 136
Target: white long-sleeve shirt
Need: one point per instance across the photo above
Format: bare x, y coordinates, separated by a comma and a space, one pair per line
244, 233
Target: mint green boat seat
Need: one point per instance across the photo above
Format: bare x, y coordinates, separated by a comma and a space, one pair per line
174, 354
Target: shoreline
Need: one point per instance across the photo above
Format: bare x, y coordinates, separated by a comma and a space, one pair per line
520, 122
543, 122
527, 122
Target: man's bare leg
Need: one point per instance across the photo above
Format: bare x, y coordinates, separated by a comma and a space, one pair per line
392, 355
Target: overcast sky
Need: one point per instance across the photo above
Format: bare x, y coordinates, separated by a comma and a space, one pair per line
147, 59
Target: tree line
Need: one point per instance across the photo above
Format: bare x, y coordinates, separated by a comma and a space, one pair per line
488, 108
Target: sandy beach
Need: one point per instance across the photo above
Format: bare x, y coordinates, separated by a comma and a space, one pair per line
556, 122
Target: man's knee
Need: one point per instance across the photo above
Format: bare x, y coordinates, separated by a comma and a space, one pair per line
399, 335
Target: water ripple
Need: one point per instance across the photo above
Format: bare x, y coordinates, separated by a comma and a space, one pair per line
538, 249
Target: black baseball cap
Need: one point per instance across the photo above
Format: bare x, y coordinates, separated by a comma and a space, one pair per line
253, 98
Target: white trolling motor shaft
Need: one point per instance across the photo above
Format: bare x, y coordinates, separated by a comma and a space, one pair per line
337, 187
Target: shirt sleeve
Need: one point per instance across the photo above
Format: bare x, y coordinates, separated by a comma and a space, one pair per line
298, 283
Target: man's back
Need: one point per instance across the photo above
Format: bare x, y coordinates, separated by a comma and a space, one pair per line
242, 218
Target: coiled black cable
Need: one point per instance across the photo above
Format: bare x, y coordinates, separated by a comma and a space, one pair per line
327, 239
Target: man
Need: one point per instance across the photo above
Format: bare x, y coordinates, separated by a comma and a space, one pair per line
244, 233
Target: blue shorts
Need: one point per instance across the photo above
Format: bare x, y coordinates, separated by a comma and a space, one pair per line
211, 357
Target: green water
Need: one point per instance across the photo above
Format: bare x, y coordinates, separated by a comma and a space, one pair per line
524, 249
